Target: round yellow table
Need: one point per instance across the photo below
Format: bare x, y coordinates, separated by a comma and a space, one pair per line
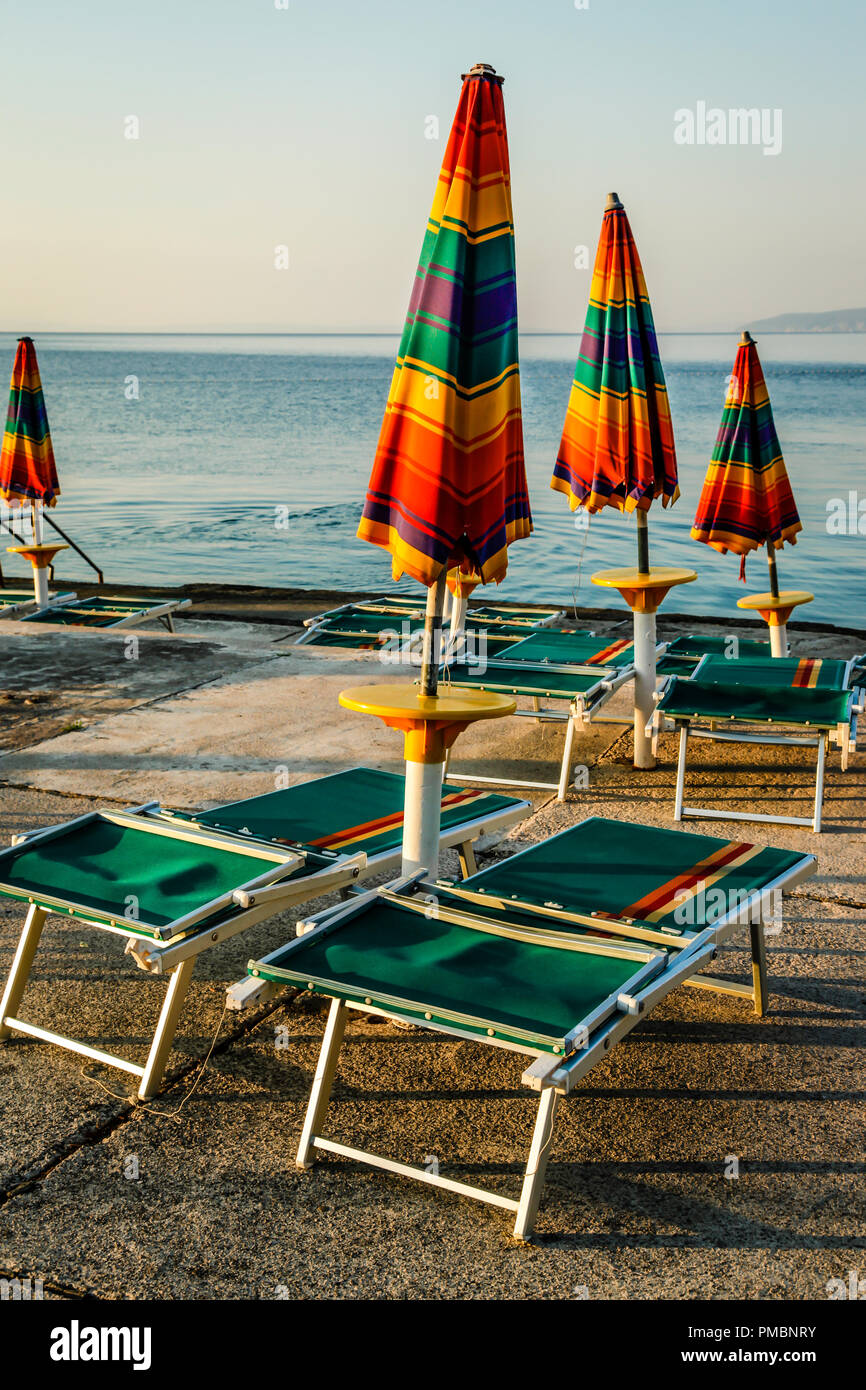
430, 724
41, 558
776, 610
643, 592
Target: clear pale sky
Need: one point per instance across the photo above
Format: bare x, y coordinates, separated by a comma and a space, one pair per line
306, 127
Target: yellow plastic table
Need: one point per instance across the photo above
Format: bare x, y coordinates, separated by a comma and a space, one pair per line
41, 558
430, 724
644, 591
776, 610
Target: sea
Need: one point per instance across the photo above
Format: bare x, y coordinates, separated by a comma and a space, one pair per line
243, 459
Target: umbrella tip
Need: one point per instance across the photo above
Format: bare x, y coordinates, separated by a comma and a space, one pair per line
481, 70
613, 201
746, 338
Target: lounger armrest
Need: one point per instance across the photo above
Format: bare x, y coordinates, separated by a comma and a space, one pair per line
287, 888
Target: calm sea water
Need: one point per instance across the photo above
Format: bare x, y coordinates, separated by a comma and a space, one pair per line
184, 483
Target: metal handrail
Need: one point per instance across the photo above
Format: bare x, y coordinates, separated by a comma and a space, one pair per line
77, 548
100, 578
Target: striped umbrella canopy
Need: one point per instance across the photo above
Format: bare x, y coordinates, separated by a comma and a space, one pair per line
617, 447
747, 500
448, 485
27, 468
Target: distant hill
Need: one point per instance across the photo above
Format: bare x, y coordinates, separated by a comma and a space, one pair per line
836, 321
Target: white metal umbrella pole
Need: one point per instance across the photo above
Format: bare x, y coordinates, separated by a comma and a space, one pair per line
644, 658
422, 807
778, 631
40, 572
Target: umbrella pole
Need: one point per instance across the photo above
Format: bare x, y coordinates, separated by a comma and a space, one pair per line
644, 658
422, 806
40, 572
778, 631
433, 635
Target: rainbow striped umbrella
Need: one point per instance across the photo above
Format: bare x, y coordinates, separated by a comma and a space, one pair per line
747, 501
448, 485
27, 469
617, 446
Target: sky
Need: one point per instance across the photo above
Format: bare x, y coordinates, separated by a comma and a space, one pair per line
306, 126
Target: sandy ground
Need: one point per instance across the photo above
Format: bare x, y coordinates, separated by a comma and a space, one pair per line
637, 1203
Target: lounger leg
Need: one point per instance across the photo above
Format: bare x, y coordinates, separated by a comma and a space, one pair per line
467, 859
536, 705
533, 1182
166, 1028
759, 967
819, 783
169, 622
323, 1081
567, 753
23, 960
681, 772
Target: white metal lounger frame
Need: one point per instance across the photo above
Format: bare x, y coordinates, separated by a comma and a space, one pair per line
164, 950
159, 611
841, 735
583, 710
553, 1076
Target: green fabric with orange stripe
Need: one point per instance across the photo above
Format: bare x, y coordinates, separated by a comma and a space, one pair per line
360, 809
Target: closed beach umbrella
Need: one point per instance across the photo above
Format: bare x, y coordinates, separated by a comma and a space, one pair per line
448, 485
747, 500
27, 469
617, 447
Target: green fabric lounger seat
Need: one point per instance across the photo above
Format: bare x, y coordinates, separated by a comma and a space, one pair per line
700, 644
109, 612
361, 809
741, 712
579, 648
585, 687
497, 961
805, 673
171, 890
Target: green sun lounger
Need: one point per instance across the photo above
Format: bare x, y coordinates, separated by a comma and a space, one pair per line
584, 688
15, 602
553, 953
483, 613
739, 712
172, 891
175, 885
554, 670
109, 612
396, 634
